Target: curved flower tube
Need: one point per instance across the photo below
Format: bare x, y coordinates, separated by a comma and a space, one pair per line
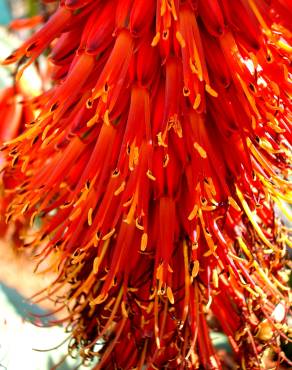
154, 164
16, 110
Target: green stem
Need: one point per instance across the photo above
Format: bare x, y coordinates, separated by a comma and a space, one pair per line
32, 7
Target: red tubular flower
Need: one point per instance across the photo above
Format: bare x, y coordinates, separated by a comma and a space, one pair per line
16, 110
154, 165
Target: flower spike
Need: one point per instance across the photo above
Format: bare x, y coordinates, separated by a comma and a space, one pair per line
154, 166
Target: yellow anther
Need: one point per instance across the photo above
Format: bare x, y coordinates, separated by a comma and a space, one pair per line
156, 39
195, 269
197, 102
108, 235
170, 295
89, 217
150, 175
193, 213
144, 241
120, 189
180, 39
211, 91
200, 150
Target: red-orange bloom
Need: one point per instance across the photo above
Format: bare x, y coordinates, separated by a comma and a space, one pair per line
154, 165
16, 110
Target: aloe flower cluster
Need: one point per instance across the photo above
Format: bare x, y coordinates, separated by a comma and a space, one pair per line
154, 165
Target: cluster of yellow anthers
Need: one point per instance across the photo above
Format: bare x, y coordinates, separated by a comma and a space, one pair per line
154, 166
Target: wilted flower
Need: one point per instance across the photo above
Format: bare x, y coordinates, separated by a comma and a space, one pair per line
154, 165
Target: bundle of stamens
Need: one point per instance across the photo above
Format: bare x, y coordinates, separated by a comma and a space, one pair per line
154, 166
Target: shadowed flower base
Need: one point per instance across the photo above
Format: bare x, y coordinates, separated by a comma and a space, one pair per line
154, 165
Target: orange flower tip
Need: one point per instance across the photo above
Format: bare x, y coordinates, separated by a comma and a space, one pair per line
63, 185
150, 175
233, 204
92, 122
156, 39
89, 217
10, 59
180, 39
124, 310
32, 218
253, 122
25, 208
165, 160
194, 69
197, 102
66, 205
120, 189
157, 339
193, 213
211, 91
211, 251
96, 265
75, 214
195, 269
170, 295
140, 227
127, 203
200, 150
161, 141
45, 132
26, 22
109, 235
127, 220
99, 299
144, 241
